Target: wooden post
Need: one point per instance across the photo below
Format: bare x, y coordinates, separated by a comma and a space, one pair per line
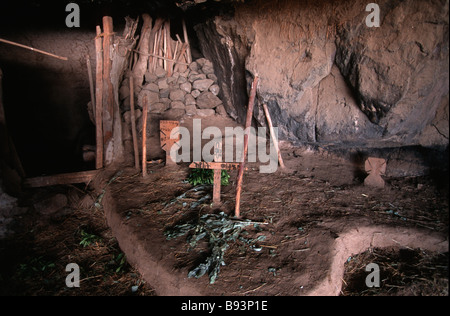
108, 100
99, 100
272, 135
166, 128
63, 178
144, 136
248, 123
133, 125
217, 173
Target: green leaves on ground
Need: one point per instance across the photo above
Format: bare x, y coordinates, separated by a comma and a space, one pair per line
220, 230
206, 176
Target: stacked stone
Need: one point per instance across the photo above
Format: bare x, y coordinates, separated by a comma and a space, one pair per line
193, 92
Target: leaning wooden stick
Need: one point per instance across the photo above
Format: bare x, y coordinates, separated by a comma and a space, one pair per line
144, 137
272, 135
133, 125
33, 49
248, 123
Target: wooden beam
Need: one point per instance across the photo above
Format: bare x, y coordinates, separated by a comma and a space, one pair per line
215, 165
248, 123
272, 135
63, 178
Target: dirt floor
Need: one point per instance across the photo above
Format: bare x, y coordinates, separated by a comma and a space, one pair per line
34, 259
299, 213
311, 226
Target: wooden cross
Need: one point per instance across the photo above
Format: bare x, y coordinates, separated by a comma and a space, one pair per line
217, 166
375, 167
166, 128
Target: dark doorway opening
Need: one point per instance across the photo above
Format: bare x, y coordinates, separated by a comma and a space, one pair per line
48, 127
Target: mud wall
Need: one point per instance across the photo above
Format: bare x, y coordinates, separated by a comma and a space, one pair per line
329, 78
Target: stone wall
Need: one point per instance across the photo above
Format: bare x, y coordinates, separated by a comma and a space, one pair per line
193, 91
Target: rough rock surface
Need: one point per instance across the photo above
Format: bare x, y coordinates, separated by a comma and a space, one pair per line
327, 76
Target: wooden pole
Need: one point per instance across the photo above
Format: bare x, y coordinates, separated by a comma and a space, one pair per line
63, 178
272, 135
108, 90
217, 173
91, 81
165, 47
133, 125
33, 49
99, 100
144, 137
248, 123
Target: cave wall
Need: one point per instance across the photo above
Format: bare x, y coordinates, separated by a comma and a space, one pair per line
46, 98
329, 78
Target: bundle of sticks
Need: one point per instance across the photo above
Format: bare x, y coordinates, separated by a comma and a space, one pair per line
157, 48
